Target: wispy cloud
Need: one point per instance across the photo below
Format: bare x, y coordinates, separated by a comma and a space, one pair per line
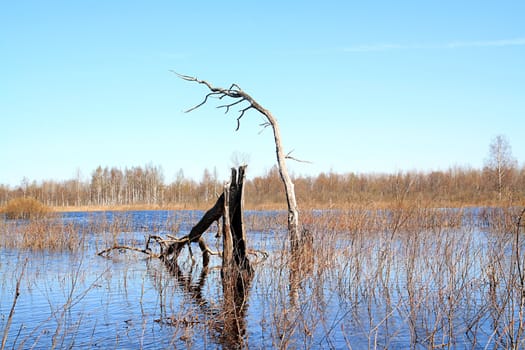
438, 46
487, 43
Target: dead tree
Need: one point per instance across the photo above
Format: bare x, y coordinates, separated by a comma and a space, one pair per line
229, 206
234, 251
226, 320
229, 320
247, 102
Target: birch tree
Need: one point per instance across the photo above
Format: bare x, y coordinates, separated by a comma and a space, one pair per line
500, 163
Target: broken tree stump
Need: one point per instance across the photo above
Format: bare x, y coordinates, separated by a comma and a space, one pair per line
229, 206
236, 270
171, 252
234, 235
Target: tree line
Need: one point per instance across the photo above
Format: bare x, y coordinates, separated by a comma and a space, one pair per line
501, 179
147, 186
139, 185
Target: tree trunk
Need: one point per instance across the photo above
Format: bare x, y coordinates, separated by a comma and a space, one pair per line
240, 97
293, 210
234, 235
236, 271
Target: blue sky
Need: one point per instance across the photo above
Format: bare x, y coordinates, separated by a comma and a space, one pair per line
375, 86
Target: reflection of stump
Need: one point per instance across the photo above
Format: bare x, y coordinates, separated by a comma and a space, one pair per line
236, 270
236, 288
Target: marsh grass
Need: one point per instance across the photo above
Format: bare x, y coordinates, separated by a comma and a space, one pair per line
410, 276
25, 208
103, 229
56, 321
40, 234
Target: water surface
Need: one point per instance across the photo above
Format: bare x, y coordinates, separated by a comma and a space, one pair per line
363, 290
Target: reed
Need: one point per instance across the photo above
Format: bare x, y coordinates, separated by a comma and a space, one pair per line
424, 277
373, 277
41, 234
25, 208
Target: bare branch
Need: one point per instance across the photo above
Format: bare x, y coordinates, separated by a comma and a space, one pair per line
242, 111
227, 106
263, 125
182, 76
12, 312
105, 252
260, 256
236, 92
237, 87
233, 93
289, 156
299, 160
204, 248
203, 102
190, 78
257, 252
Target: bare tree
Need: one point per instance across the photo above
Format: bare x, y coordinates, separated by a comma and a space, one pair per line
500, 162
246, 102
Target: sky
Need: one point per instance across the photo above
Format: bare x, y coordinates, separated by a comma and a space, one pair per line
356, 86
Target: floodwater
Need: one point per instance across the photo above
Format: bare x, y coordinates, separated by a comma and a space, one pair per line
452, 289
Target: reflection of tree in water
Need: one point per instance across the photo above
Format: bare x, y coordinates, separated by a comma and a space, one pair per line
301, 265
226, 321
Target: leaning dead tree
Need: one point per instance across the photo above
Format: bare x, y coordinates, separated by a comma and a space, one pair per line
235, 96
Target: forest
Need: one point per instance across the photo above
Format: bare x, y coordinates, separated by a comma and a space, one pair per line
146, 187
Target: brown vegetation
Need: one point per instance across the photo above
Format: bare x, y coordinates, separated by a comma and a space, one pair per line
25, 208
144, 188
411, 275
39, 235
421, 272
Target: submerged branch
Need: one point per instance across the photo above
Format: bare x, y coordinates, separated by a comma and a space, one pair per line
171, 247
146, 251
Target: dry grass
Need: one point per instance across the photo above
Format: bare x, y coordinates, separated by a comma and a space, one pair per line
422, 277
43, 234
25, 208
128, 207
373, 278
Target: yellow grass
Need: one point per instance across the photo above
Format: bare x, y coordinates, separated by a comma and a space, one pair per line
305, 206
25, 208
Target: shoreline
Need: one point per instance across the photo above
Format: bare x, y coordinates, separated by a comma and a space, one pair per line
272, 207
